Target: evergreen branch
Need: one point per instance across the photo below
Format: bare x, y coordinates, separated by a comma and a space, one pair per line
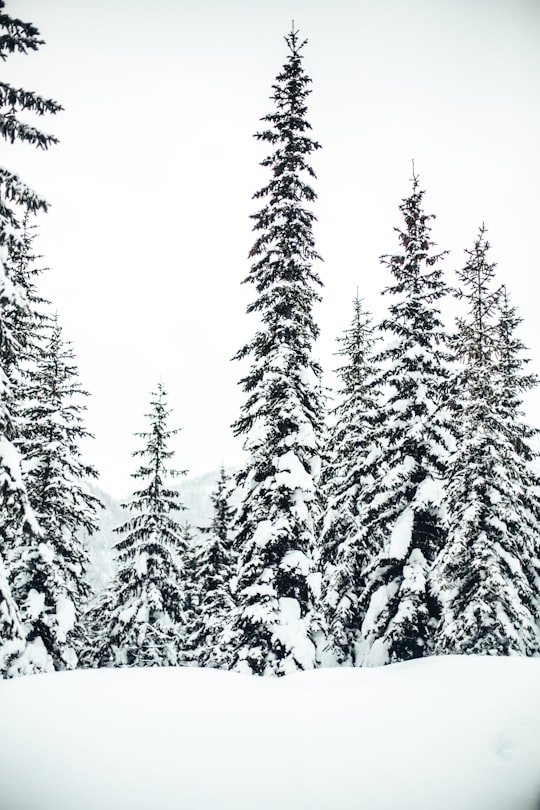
18, 98
13, 130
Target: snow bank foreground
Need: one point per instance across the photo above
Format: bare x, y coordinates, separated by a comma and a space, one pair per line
449, 733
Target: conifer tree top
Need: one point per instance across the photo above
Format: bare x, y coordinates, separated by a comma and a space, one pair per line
291, 88
476, 341
284, 249
415, 239
156, 496
281, 418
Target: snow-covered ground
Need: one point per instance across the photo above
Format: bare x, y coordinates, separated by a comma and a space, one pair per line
450, 733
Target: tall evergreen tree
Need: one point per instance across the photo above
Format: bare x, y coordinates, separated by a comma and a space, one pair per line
486, 576
343, 559
276, 521
215, 567
141, 619
49, 572
402, 514
16, 199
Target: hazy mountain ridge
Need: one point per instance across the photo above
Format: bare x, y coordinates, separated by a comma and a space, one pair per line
195, 493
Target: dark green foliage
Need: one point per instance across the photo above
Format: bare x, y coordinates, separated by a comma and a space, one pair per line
19, 37
486, 576
402, 514
343, 558
214, 568
16, 201
50, 570
141, 621
281, 418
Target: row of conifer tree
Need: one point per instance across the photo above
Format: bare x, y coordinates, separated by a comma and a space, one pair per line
405, 524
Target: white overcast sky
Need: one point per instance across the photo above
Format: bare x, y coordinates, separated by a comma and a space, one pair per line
151, 185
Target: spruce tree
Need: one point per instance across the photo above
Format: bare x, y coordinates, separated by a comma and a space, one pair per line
215, 567
49, 572
401, 514
16, 200
343, 558
276, 521
141, 619
486, 576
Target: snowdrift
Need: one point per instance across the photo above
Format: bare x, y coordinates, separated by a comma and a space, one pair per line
448, 733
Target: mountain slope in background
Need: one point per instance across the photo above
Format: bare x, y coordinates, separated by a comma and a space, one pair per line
195, 493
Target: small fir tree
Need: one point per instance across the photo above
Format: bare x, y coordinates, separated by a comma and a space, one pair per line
142, 617
275, 525
49, 572
402, 514
486, 576
215, 567
343, 558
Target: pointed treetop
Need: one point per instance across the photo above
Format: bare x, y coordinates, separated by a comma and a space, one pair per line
479, 265
292, 40
415, 179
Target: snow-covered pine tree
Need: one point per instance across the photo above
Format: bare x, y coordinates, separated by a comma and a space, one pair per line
402, 514
141, 618
215, 567
276, 522
343, 559
49, 572
16, 199
486, 576
192, 595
